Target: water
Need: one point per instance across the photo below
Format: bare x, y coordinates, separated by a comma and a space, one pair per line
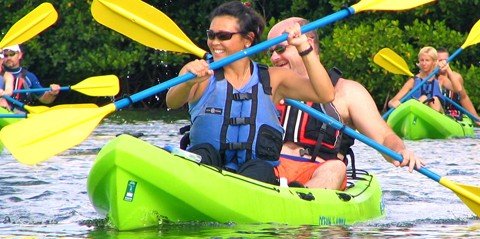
50, 199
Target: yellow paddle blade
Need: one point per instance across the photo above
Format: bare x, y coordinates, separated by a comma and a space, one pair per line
388, 5
30, 25
35, 139
77, 106
36, 109
470, 195
106, 85
391, 62
143, 23
473, 36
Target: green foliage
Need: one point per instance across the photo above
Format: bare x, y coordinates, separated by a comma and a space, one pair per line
471, 77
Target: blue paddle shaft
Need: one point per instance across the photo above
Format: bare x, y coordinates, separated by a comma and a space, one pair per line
234, 57
14, 101
416, 88
459, 107
13, 115
349, 131
36, 90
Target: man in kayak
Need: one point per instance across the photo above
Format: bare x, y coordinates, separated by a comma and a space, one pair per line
352, 104
24, 79
458, 96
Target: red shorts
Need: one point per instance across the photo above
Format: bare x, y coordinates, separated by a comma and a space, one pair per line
298, 170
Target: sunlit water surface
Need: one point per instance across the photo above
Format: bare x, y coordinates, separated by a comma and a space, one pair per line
50, 200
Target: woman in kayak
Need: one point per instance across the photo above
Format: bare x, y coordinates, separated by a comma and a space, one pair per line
431, 92
231, 110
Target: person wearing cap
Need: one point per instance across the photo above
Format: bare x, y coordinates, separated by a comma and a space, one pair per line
24, 79
6, 85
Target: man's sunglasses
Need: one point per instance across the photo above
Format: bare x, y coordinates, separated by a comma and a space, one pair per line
221, 35
279, 49
9, 53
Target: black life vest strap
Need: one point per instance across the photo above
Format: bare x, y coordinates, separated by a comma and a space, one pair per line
240, 120
236, 146
265, 78
316, 150
226, 120
242, 96
334, 73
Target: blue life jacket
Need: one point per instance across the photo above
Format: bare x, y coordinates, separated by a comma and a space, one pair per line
241, 124
429, 89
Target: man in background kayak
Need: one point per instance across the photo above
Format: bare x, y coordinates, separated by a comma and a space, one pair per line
460, 96
24, 79
356, 109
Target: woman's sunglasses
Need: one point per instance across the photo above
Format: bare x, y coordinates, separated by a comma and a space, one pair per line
221, 35
279, 49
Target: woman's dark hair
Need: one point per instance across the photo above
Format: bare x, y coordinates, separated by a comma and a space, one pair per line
248, 19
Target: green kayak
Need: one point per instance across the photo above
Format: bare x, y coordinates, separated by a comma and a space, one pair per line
137, 185
4, 121
414, 120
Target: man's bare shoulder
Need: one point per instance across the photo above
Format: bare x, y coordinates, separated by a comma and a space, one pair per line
347, 86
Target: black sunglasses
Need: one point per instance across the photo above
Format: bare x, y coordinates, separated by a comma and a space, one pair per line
279, 49
9, 53
221, 35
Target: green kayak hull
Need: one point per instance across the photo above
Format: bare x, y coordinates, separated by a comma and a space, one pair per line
414, 120
138, 185
6, 121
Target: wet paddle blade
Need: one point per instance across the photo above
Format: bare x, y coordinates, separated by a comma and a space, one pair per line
36, 109
106, 85
35, 139
388, 5
75, 106
473, 37
390, 61
143, 23
30, 25
473, 205
470, 195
